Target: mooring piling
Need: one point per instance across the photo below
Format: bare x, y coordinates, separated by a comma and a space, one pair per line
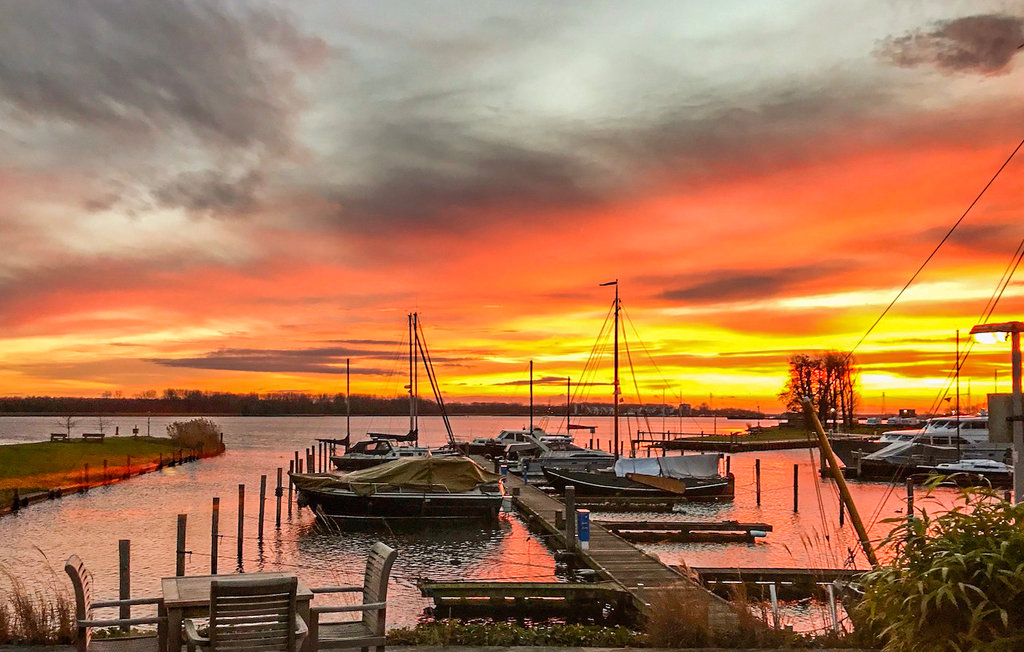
757, 480
241, 521
214, 539
570, 517
179, 562
277, 494
124, 573
291, 469
796, 487
263, 502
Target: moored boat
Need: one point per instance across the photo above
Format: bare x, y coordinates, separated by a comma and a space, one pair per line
415, 488
693, 477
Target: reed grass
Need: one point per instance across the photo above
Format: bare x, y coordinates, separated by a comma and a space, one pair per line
34, 616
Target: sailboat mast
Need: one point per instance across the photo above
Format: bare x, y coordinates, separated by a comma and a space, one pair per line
415, 380
615, 397
348, 405
412, 363
958, 394
568, 404
531, 396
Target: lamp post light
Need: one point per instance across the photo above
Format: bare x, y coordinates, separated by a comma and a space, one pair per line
998, 333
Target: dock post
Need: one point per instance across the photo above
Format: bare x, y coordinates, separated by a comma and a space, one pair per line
773, 593
910, 505
796, 487
842, 512
214, 538
160, 461
830, 590
124, 573
278, 494
295, 454
291, 469
311, 460
263, 502
16, 502
128, 468
85, 475
757, 480
241, 521
106, 478
179, 562
728, 464
570, 517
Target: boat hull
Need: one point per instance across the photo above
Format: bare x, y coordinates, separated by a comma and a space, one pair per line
343, 504
610, 485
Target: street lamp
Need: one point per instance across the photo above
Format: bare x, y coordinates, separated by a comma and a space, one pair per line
998, 333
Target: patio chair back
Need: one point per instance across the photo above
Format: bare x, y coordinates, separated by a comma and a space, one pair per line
253, 614
375, 585
81, 581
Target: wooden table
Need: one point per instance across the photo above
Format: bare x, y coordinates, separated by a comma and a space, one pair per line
189, 596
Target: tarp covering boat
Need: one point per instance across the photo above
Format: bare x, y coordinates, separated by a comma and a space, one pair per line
677, 466
431, 474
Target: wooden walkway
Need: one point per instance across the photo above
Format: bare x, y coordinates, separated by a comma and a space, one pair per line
640, 574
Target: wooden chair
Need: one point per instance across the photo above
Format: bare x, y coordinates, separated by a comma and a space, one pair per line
81, 580
370, 630
251, 614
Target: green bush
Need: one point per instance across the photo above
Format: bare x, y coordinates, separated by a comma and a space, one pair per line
197, 433
956, 581
454, 632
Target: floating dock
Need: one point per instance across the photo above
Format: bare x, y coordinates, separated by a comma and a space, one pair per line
687, 531
790, 583
574, 601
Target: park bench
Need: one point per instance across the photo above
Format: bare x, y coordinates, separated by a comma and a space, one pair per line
93, 436
58, 436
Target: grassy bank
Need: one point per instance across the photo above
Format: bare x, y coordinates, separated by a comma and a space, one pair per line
49, 465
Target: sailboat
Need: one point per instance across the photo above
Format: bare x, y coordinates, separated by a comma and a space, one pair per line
383, 446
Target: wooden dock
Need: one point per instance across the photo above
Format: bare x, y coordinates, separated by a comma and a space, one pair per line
575, 601
641, 575
790, 583
687, 531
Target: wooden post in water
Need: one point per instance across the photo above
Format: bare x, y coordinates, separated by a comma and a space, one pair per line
296, 456
278, 494
728, 463
241, 520
263, 502
796, 487
160, 461
291, 468
310, 460
214, 537
570, 517
842, 512
106, 477
757, 479
124, 573
128, 468
179, 562
910, 504
85, 475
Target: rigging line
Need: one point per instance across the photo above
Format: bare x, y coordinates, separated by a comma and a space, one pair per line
421, 343
936, 249
636, 386
990, 306
590, 366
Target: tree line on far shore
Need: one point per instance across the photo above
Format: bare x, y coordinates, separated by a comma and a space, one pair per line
195, 402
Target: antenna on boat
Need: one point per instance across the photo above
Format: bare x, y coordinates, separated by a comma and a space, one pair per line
615, 390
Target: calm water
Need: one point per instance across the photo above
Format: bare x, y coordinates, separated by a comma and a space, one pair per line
144, 510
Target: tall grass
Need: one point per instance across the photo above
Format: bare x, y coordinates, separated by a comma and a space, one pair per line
35, 617
196, 433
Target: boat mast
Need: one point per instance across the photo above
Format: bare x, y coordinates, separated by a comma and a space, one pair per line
416, 378
531, 397
615, 391
348, 405
958, 395
568, 404
412, 366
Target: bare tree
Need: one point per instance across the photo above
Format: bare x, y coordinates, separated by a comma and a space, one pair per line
67, 422
101, 423
829, 379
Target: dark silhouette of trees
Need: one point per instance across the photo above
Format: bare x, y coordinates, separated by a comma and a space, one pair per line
829, 379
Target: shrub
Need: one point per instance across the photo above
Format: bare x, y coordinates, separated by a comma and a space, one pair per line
956, 581
454, 632
197, 433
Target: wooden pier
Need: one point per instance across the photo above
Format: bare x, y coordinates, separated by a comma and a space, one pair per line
575, 601
790, 583
639, 574
687, 531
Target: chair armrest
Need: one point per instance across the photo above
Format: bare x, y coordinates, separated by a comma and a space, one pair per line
369, 606
192, 634
336, 589
301, 629
118, 603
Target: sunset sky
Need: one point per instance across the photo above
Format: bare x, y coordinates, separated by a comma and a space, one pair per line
238, 196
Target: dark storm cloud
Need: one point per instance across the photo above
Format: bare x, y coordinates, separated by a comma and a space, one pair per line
131, 75
321, 360
973, 44
738, 285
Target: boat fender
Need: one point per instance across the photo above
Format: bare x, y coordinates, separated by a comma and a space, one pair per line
758, 533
